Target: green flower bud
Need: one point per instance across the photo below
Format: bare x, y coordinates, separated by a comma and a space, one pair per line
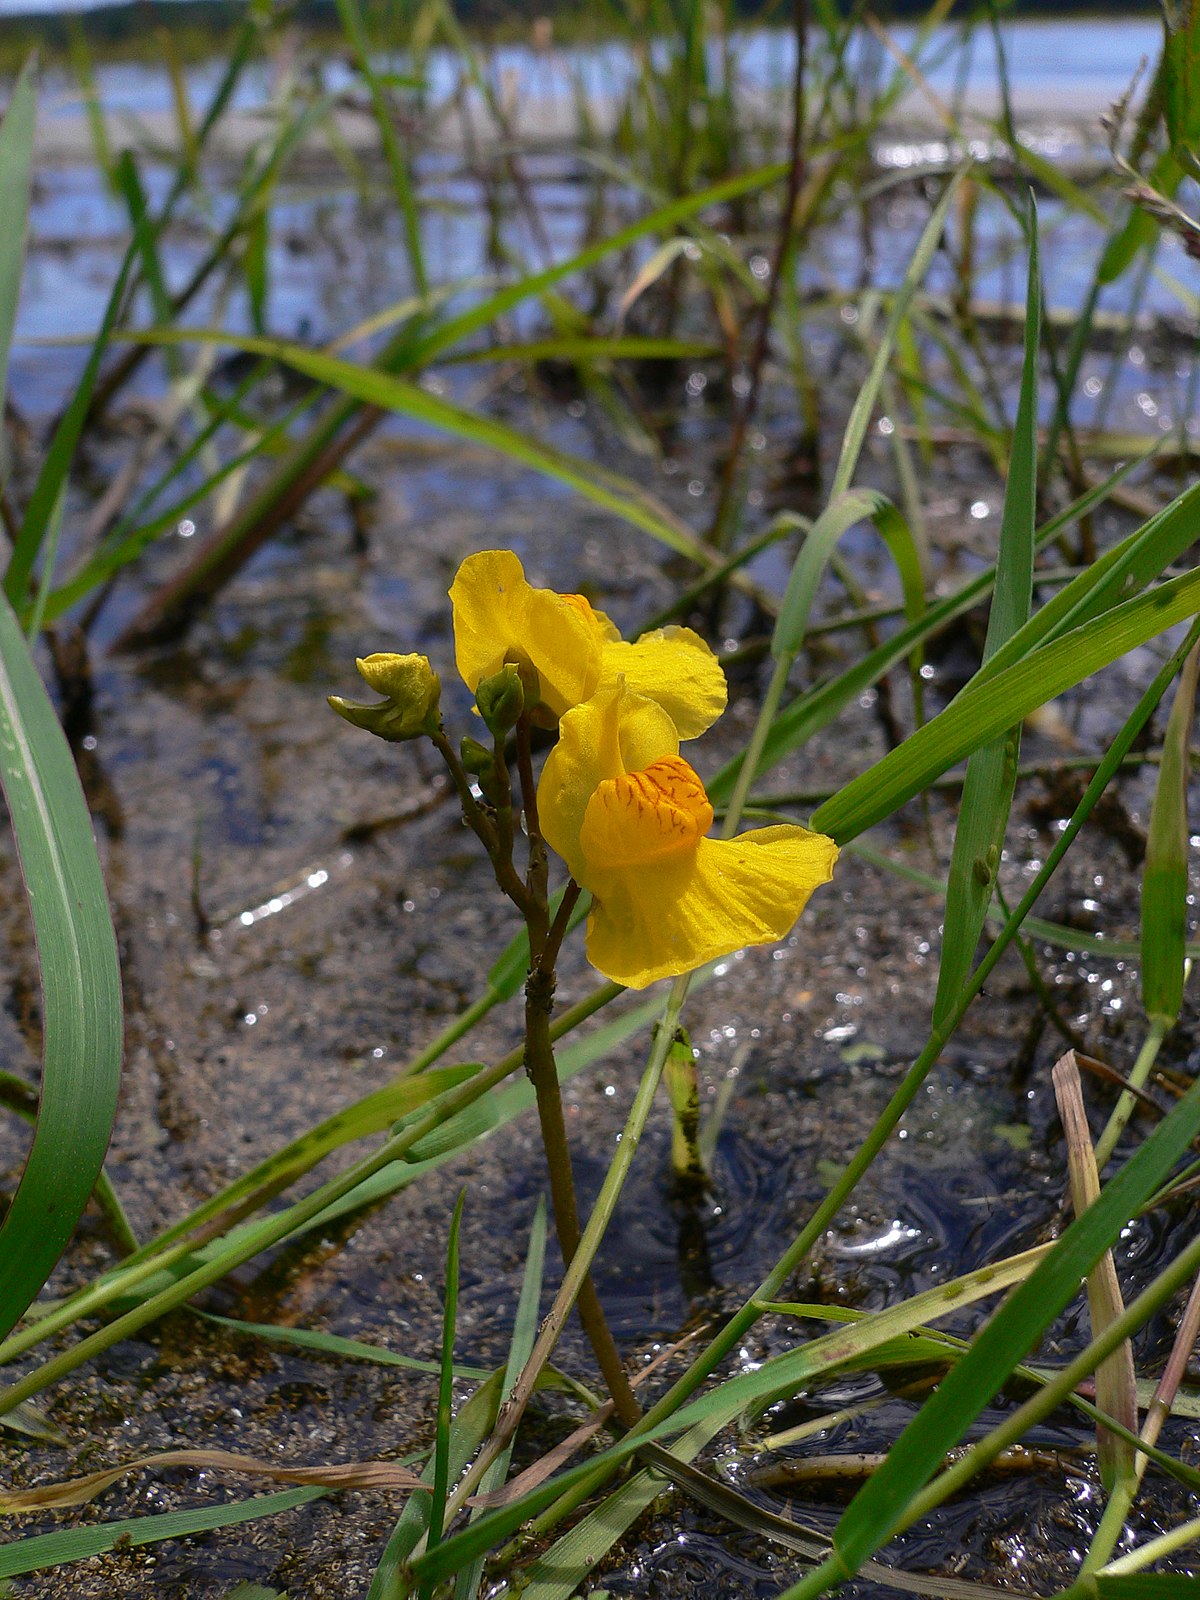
501, 699
477, 758
413, 693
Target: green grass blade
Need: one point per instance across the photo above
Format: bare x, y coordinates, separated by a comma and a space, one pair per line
1007, 1340
43, 1550
811, 712
1146, 1586
456, 329
57, 465
992, 769
333, 1344
129, 185
842, 513
1181, 73
467, 1432
441, 1449
372, 386
525, 1325
81, 984
1118, 574
585, 349
864, 405
16, 161
984, 710
402, 184
1165, 876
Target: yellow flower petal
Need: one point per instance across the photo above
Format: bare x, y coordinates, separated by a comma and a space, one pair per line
613, 733
664, 917
601, 624
675, 667
499, 617
610, 735
575, 649
639, 817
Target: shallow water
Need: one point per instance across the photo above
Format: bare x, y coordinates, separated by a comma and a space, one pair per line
323, 960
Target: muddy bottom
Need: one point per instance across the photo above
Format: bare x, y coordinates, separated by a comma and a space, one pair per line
300, 913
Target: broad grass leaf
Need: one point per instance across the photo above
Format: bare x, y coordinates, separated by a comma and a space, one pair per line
42, 1550
80, 977
1168, 534
986, 709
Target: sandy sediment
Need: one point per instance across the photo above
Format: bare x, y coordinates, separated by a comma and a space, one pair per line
64, 136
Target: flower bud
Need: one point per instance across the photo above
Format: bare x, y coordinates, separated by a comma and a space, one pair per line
412, 693
501, 699
477, 759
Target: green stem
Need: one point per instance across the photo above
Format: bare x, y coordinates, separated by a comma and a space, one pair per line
476, 818
577, 1271
1112, 1523
748, 770
1127, 1104
543, 1074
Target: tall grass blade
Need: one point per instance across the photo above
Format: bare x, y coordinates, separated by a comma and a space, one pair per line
842, 513
387, 393
992, 769
57, 465
16, 162
467, 1432
1165, 877
81, 984
1181, 73
43, 1550
333, 1344
864, 404
441, 1449
983, 710
402, 184
811, 712
525, 1325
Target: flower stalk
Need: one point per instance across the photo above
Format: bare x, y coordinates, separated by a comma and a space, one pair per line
619, 805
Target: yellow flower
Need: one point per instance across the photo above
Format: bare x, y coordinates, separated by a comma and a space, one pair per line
629, 817
575, 650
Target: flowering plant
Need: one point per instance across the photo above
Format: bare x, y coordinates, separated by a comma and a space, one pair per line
626, 813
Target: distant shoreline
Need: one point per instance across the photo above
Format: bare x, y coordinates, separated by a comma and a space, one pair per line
547, 125
201, 28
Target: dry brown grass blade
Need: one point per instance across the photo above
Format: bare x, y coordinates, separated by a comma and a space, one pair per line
78, 1491
1116, 1385
546, 1466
